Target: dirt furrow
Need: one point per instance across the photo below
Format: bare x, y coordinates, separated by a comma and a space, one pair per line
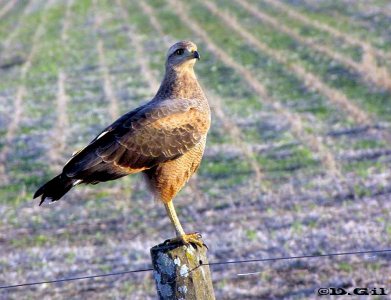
105, 73
152, 19
309, 79
232, 129
21, 91
66, 24
368, 69
13, 33
135, 40
290, 11
11, 132
60, 131
155, 23
216, 106
6, 8
314, 142
356, 7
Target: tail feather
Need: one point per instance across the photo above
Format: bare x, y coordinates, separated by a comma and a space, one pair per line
54, 189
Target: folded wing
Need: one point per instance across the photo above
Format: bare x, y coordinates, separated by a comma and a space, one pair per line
154, 133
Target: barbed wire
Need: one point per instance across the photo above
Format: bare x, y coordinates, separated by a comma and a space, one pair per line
204, 264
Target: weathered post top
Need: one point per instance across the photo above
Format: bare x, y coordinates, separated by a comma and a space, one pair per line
181, 272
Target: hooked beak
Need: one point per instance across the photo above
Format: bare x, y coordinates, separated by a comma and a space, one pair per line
196, 55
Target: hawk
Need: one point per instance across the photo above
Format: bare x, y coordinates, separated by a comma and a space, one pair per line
163, 139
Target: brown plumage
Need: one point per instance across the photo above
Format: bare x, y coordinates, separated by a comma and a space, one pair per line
164, 139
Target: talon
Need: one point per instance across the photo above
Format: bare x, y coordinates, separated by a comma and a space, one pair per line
193, 238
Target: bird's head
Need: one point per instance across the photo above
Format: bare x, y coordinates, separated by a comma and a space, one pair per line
181, 55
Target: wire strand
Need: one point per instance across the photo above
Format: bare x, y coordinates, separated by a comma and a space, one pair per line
75, 278
300, 257
205, 264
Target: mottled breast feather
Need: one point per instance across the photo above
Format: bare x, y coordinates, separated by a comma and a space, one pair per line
157, 132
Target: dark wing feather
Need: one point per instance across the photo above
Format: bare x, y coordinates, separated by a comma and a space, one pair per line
154, 133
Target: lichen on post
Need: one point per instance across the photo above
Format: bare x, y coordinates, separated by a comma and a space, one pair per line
181, 272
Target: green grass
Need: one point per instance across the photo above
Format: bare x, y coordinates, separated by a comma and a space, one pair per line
350, 20
303, 209
376, 102
7, 23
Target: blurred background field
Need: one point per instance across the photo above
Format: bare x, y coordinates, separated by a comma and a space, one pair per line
297, 161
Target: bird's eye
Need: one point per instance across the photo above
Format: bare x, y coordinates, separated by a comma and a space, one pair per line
179, 52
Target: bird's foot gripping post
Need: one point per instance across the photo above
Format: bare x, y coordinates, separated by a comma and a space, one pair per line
186, 238
194, 239
181, 270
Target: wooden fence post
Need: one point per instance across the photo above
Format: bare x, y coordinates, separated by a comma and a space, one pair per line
180, 272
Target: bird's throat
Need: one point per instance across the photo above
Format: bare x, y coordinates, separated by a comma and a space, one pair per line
179, 83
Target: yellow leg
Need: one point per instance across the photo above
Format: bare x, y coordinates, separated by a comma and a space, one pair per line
174, 219
194, 238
